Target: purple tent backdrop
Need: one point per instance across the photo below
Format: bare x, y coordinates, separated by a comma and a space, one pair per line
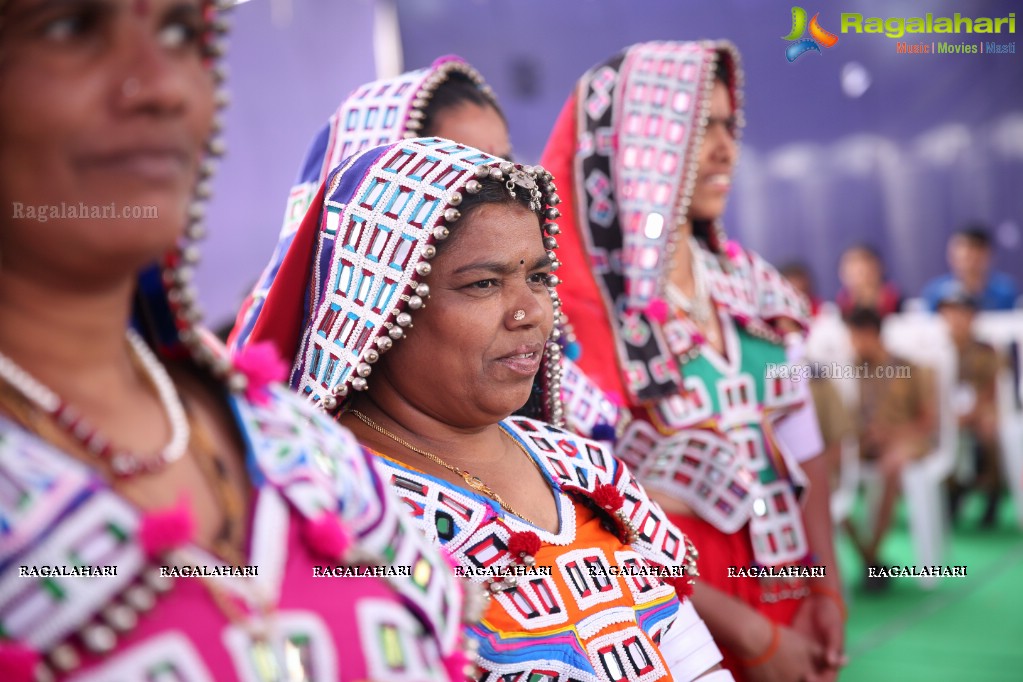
287, 76
933, 141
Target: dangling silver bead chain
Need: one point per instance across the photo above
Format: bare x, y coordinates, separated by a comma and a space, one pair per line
699, 306
122, 462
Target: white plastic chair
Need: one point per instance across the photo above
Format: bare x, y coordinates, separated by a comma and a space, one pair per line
828, 344
828, 340
922, 338
1001, 329
916, 306
843, 498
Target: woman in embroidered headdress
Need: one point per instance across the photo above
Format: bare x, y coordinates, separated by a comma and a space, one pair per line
448, 99
582, 569
685, 325
130, 447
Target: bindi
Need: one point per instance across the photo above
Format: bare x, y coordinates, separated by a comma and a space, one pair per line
141, 8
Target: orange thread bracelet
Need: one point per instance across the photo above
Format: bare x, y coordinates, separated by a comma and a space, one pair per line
769, 652
834, 596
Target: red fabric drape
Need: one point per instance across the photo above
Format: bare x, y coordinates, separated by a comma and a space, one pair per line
282, 317
582, 299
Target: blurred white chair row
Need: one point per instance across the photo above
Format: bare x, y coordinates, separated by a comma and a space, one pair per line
1004, 331
922, 338
828, 343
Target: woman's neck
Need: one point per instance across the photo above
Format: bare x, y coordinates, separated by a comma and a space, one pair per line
466, 447
72, 341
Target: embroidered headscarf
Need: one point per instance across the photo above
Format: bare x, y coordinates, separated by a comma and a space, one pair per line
358, 267
625, 150
376, 113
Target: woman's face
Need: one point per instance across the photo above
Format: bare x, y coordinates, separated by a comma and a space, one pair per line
859, 269
474, 126
716, 159
468, 361
105, 110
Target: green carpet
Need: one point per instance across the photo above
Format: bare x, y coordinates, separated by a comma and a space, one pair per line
964, 629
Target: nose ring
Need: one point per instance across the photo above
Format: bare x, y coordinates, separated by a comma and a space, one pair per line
519, 315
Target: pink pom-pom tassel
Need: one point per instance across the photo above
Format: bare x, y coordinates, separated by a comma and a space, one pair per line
456, 664
262, 365
732, 249
162, 530
18, 662
657, 310
451, 560
327, 536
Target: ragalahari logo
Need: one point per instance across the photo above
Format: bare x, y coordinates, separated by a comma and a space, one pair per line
800, 45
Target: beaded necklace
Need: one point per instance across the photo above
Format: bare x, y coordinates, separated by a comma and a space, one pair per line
69, 418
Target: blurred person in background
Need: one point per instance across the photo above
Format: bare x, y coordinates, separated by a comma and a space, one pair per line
896, 425
800, 277
447, 99
861, 274
976, 405
127, 438
834, 420
682, 325
969, 263
832, 415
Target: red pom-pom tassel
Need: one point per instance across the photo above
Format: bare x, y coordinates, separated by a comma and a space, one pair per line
327, 536
523, 543
608, 497
162, 530
683, 587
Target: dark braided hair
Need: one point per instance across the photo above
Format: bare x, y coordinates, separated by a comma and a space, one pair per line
457, 90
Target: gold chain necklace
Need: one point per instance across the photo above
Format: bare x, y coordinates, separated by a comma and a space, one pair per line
474, 482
